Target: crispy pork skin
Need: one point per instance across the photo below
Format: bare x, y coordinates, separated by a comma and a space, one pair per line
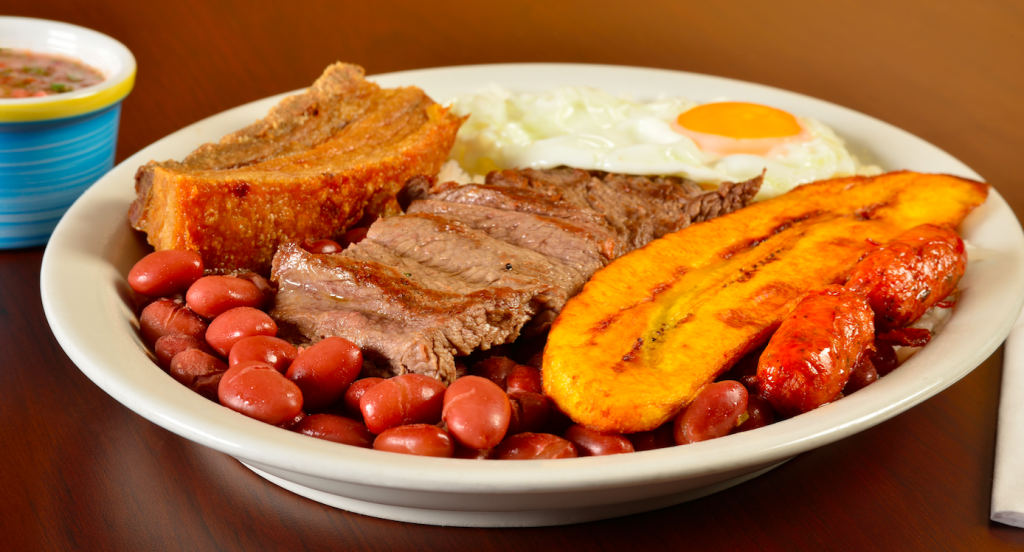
317, 163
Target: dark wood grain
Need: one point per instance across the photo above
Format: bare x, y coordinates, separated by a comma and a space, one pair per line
81, 472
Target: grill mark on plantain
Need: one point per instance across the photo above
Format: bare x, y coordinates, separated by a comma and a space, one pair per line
776, 294
870, 211
736, 318
606, 322
744, 275
632, 354
786, 224
748, 273
632, 357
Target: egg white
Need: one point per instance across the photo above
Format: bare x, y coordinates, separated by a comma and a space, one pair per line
590, 129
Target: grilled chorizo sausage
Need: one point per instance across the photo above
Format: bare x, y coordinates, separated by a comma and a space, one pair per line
809, 359
910, 274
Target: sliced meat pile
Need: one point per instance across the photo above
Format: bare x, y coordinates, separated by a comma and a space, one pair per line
470, 267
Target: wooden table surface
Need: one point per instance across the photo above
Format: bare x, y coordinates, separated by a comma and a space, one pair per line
82, 472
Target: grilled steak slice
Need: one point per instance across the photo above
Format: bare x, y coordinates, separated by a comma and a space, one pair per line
639, 208
405, 317
452, 247
314, 166
522, 200
473, 266
578, 247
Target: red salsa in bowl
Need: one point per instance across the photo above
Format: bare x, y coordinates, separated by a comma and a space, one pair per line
28, 74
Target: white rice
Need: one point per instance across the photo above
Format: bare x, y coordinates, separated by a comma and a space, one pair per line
452, 172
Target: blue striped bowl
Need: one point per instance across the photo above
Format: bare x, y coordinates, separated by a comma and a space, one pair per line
52, 149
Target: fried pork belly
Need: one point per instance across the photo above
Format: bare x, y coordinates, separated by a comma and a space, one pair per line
318, 163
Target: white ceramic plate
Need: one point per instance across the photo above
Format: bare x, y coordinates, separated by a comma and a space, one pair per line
85, 296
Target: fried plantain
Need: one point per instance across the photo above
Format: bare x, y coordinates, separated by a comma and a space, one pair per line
657, 325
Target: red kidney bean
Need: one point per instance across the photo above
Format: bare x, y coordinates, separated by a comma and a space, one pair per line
169, 345
417, 439
884, 358
713, 412
862, 375
209, 296
167, 317
338, 429
264, 348
144, 301
495, 368
322, 247
745, 370
472, 454
594, 443
355, 392
165, 272
535, 446
524, 378
662, 437
558, 422
235, 324
401, 400
750, 382
325, 370
530, 412
759, 414
355, 235
289, 424
477, 412
258, 391
199, 371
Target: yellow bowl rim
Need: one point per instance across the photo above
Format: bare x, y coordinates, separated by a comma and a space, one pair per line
87, 100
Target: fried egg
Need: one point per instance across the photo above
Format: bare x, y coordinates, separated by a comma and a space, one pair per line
591, 129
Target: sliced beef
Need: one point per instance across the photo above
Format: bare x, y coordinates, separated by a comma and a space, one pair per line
470, 267
522, 200
452, 247
639, 208
574, 217
585, 249
407, 319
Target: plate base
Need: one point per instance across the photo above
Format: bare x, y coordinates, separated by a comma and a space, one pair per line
534, 518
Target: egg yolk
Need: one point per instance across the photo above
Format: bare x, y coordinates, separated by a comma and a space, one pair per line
740, 120
726, 128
